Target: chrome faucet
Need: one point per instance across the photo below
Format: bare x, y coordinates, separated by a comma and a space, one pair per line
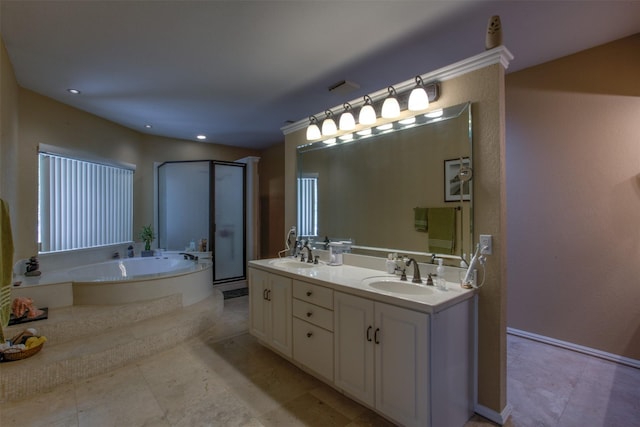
295, 249
416, 271
309, 253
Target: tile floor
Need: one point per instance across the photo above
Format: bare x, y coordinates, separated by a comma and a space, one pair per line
224, 378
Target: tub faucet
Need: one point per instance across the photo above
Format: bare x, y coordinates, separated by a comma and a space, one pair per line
416, 271
192, 257
116, 255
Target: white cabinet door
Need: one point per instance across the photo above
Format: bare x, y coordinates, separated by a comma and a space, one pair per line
270, 309
401, 364
353, 332
279, 299
258, 315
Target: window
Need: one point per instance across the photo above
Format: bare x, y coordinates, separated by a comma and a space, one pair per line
83, 204
308, 206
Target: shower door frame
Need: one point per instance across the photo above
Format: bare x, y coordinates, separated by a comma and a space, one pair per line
212, 232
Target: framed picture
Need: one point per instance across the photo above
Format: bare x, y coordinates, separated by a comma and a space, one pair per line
453, 186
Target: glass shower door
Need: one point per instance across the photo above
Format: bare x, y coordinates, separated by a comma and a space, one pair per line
183, 208
229, 252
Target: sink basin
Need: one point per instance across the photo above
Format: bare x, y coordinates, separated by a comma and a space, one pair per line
292, 263
397, 286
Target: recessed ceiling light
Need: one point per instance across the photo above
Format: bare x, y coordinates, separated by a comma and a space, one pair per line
148, 126
73, 91
201, 137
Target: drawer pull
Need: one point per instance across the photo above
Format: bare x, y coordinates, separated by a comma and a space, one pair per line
309, 334
375, 336
369, 333
309, 314
309, 293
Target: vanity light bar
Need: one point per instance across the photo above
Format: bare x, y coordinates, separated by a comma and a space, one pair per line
404, 123
390, 106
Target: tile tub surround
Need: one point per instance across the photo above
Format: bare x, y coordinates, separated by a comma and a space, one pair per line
226, 378
60, 288
87, 341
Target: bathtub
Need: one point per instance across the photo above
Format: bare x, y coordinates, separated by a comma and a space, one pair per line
121, 282
132, 269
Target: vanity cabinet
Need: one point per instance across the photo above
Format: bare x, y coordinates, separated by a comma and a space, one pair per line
414, 366
382, 357
270, 317
313, 328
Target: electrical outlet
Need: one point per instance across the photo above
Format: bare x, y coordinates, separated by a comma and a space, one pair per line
486, 244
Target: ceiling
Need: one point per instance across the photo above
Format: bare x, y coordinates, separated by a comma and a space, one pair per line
238, 71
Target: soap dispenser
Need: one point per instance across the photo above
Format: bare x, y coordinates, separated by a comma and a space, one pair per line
391, 264
441, 283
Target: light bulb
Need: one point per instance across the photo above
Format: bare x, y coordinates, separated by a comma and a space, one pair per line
347, 121
390, 106
367, 115
313, 131
329, 127
418, 99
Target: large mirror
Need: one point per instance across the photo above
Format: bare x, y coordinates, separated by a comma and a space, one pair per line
403, 190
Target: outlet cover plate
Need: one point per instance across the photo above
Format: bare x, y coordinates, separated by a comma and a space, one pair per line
486, 244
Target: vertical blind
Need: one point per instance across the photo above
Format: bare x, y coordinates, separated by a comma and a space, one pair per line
83, 204
307, 206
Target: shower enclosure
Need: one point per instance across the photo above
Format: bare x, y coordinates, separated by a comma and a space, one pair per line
205, 200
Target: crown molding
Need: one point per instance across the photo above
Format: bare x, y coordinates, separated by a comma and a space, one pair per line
499, 55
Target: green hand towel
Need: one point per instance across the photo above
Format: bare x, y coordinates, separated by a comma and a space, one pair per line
442, 230
6, 264
420, 219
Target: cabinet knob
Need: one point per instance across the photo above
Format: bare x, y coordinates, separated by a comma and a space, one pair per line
309, 314
309, 293
309, 334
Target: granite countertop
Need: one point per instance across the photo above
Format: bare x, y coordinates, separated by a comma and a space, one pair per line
351, 279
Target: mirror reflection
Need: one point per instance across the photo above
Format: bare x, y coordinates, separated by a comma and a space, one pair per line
408, 190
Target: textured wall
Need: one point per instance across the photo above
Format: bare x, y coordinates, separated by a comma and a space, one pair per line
43, 120
8, 131
272, 201
573, 198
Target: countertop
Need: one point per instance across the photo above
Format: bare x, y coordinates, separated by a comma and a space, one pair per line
350, 279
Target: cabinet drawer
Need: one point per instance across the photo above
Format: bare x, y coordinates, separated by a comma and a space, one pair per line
313, 347
314, 294
311, 313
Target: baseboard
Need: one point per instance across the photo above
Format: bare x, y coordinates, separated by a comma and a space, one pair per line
491, 415
575, 347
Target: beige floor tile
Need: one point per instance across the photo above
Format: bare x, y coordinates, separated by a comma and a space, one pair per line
305, 410
607, 395
224, 377
191, 393
54, 408
119, 398
347, 407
